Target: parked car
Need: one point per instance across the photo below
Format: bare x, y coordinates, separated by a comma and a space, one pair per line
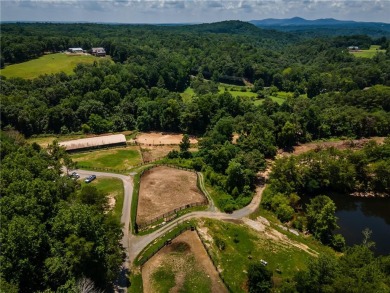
74, 175
90, 178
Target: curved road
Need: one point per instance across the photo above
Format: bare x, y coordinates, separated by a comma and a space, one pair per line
134, 244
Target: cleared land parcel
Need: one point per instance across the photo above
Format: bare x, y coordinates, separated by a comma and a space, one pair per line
182, 266
164, 189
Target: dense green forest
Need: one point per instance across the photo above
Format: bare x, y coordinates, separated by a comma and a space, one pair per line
53, 235
331, 94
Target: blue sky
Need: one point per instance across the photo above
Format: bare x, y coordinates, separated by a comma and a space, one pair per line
173, 11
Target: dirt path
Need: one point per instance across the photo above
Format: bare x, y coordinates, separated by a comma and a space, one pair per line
177, 257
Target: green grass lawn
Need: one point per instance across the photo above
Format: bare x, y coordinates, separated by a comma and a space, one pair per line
118, 159
194, 279
374, 49
113, 187
47, 64
234, 90
244, 246
187, 95
279, 97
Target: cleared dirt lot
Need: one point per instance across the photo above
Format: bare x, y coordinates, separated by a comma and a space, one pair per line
163, 189
161, 138
154, 152
341, 145
186, 263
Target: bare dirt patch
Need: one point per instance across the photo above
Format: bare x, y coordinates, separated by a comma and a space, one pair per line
341, 145
162, 138
262, 225
185, 256
164, 189
154, 152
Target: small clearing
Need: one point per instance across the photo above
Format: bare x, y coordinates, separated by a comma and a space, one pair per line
161, 138
154, 152
163, 189
182, 266
340, 144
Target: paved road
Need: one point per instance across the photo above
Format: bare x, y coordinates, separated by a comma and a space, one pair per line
134, 244
125, 219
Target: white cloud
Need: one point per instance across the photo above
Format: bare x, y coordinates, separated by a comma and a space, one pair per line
191, 10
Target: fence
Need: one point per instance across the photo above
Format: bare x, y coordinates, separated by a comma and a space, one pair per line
144, 225
212, 260
142, 260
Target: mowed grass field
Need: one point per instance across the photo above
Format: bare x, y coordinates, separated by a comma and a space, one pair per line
234, 90
374, 49
113, 188
118, 159
47, 64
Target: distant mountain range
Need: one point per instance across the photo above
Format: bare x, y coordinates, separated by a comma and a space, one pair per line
324, 27
298, 21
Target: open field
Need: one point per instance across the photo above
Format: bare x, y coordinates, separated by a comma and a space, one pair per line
115, 159
236, 91
113, 187
182, 266
374, 49
163, 189
47, 64
161, 138
152, 153
233, 246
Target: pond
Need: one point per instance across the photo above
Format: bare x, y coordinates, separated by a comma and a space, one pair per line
355, 214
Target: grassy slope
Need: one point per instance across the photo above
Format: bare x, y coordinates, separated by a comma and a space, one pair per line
368, 53
245, 246
112, 187
115, 159
46, 64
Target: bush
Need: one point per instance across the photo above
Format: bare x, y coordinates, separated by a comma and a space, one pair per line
259, 278
338, 242
220, 243
174, 154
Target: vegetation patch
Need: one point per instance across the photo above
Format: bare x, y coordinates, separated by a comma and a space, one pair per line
118, 159
182, 266
113, 188
234, 247
47, 64
370, 53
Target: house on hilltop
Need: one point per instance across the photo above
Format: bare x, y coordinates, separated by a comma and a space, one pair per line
99, 52
76, 50
353, 48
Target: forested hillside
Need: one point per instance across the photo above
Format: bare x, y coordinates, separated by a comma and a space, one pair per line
53, 236
328, 93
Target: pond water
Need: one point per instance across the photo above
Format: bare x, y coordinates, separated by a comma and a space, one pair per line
355, 214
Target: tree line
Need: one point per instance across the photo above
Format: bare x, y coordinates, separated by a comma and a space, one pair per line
54, 235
